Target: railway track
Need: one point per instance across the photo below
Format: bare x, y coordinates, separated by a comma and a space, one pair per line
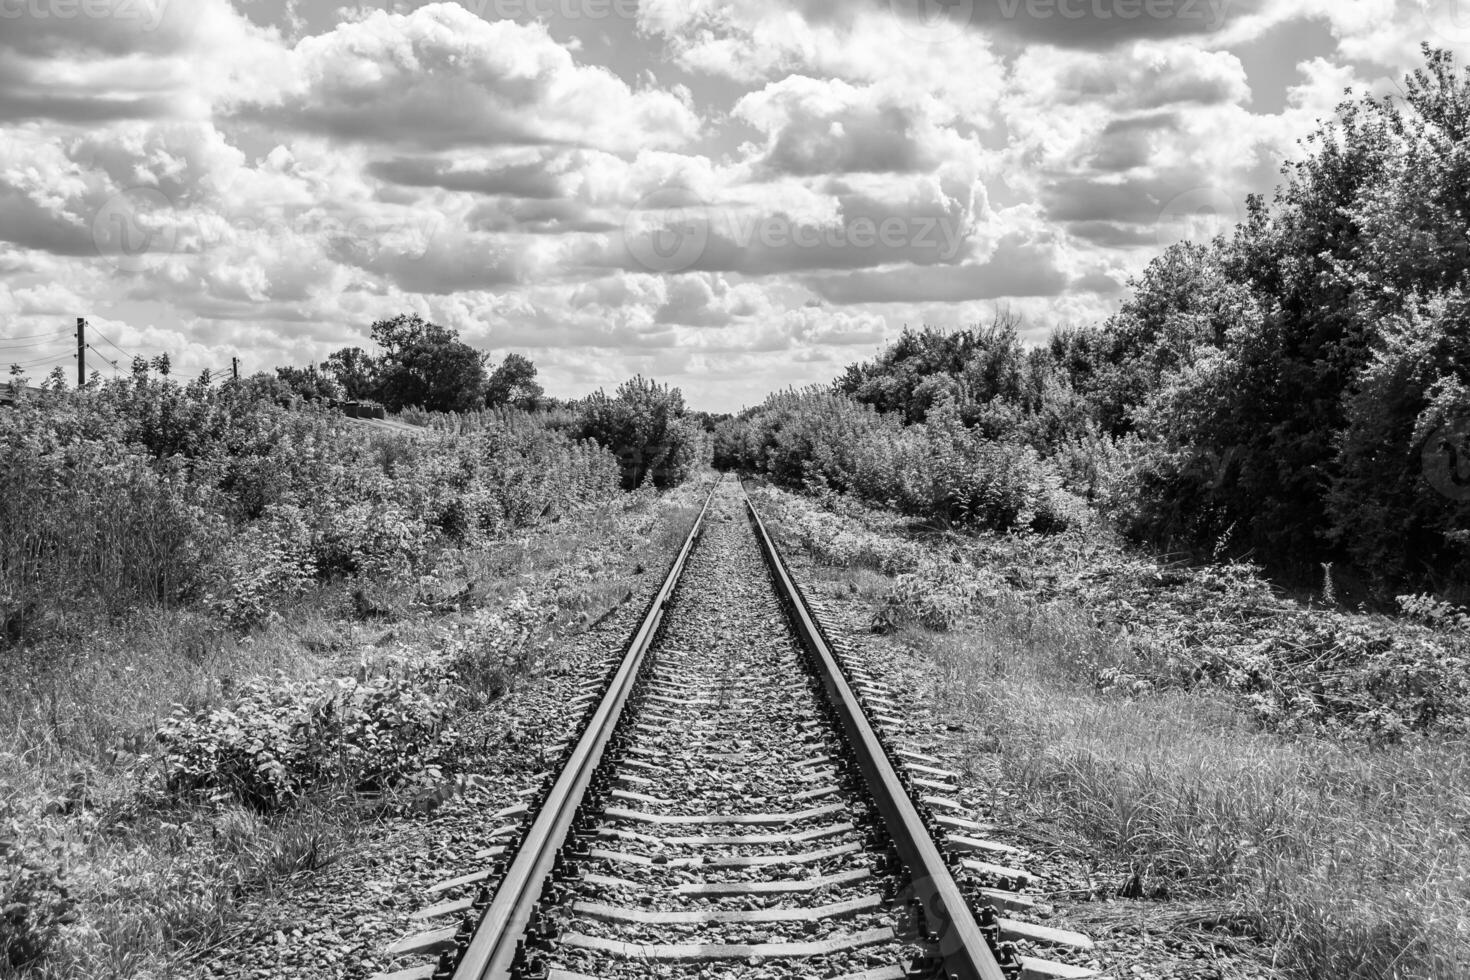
740, 803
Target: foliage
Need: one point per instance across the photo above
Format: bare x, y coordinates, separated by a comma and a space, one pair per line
421, 364
643, 424
355, 371
837, 533
939, 470
1295, 668
280, 740
1307, 362
269, 562
309, 383
34, 903
937, 595
1298, 392
495, 644
143, 493
428, 365
514, 383
93, 520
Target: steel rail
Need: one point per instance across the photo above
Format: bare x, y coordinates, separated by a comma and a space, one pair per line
961, 945
491, 952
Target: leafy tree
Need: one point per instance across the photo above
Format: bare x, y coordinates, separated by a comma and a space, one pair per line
356, 371
514, 383
308, 382
427, 365
644, 426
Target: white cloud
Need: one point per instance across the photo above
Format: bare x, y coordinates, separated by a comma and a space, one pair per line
441, 77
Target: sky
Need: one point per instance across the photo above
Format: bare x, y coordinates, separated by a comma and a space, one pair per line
735, 196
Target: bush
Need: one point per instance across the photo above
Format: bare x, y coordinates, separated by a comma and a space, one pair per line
936, 595
279, 741
496, 644
938, 470
643, 425
91, 520
837, 535
268, 563
142, 493
34, 904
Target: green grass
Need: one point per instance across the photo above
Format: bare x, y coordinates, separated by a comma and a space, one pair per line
157, 879
1326, 859
1346, 861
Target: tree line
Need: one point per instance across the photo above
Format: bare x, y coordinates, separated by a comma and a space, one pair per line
423, 366
1295, 392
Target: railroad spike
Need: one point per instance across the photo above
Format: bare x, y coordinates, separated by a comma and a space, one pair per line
989, 923
1009, 961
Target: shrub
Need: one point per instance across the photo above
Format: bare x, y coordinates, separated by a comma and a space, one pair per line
87, 520
496, 644
643, 425
142, 492
279, 741
836, 535
267, 563
34, 904
936, 595
938, 470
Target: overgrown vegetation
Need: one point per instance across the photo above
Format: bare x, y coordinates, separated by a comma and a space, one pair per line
1149, 719
1295, 393
644, 424
237, 623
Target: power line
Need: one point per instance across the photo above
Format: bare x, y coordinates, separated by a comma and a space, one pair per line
33, 336
109, 341
44, 360
104, 357
39, 343
110, 363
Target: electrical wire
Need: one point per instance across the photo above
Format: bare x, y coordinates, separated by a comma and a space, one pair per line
39, 343
112, 364
33, 336
44, 360
104, 357
109, 341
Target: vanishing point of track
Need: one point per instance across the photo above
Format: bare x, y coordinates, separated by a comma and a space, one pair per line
740, 803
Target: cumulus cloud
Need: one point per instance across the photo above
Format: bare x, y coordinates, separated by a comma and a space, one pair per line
442, 77
1016, 268
746, 194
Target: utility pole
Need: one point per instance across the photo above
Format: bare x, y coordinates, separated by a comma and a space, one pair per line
234, 369
81, 352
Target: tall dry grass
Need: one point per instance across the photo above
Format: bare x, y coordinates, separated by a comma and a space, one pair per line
1346, 861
